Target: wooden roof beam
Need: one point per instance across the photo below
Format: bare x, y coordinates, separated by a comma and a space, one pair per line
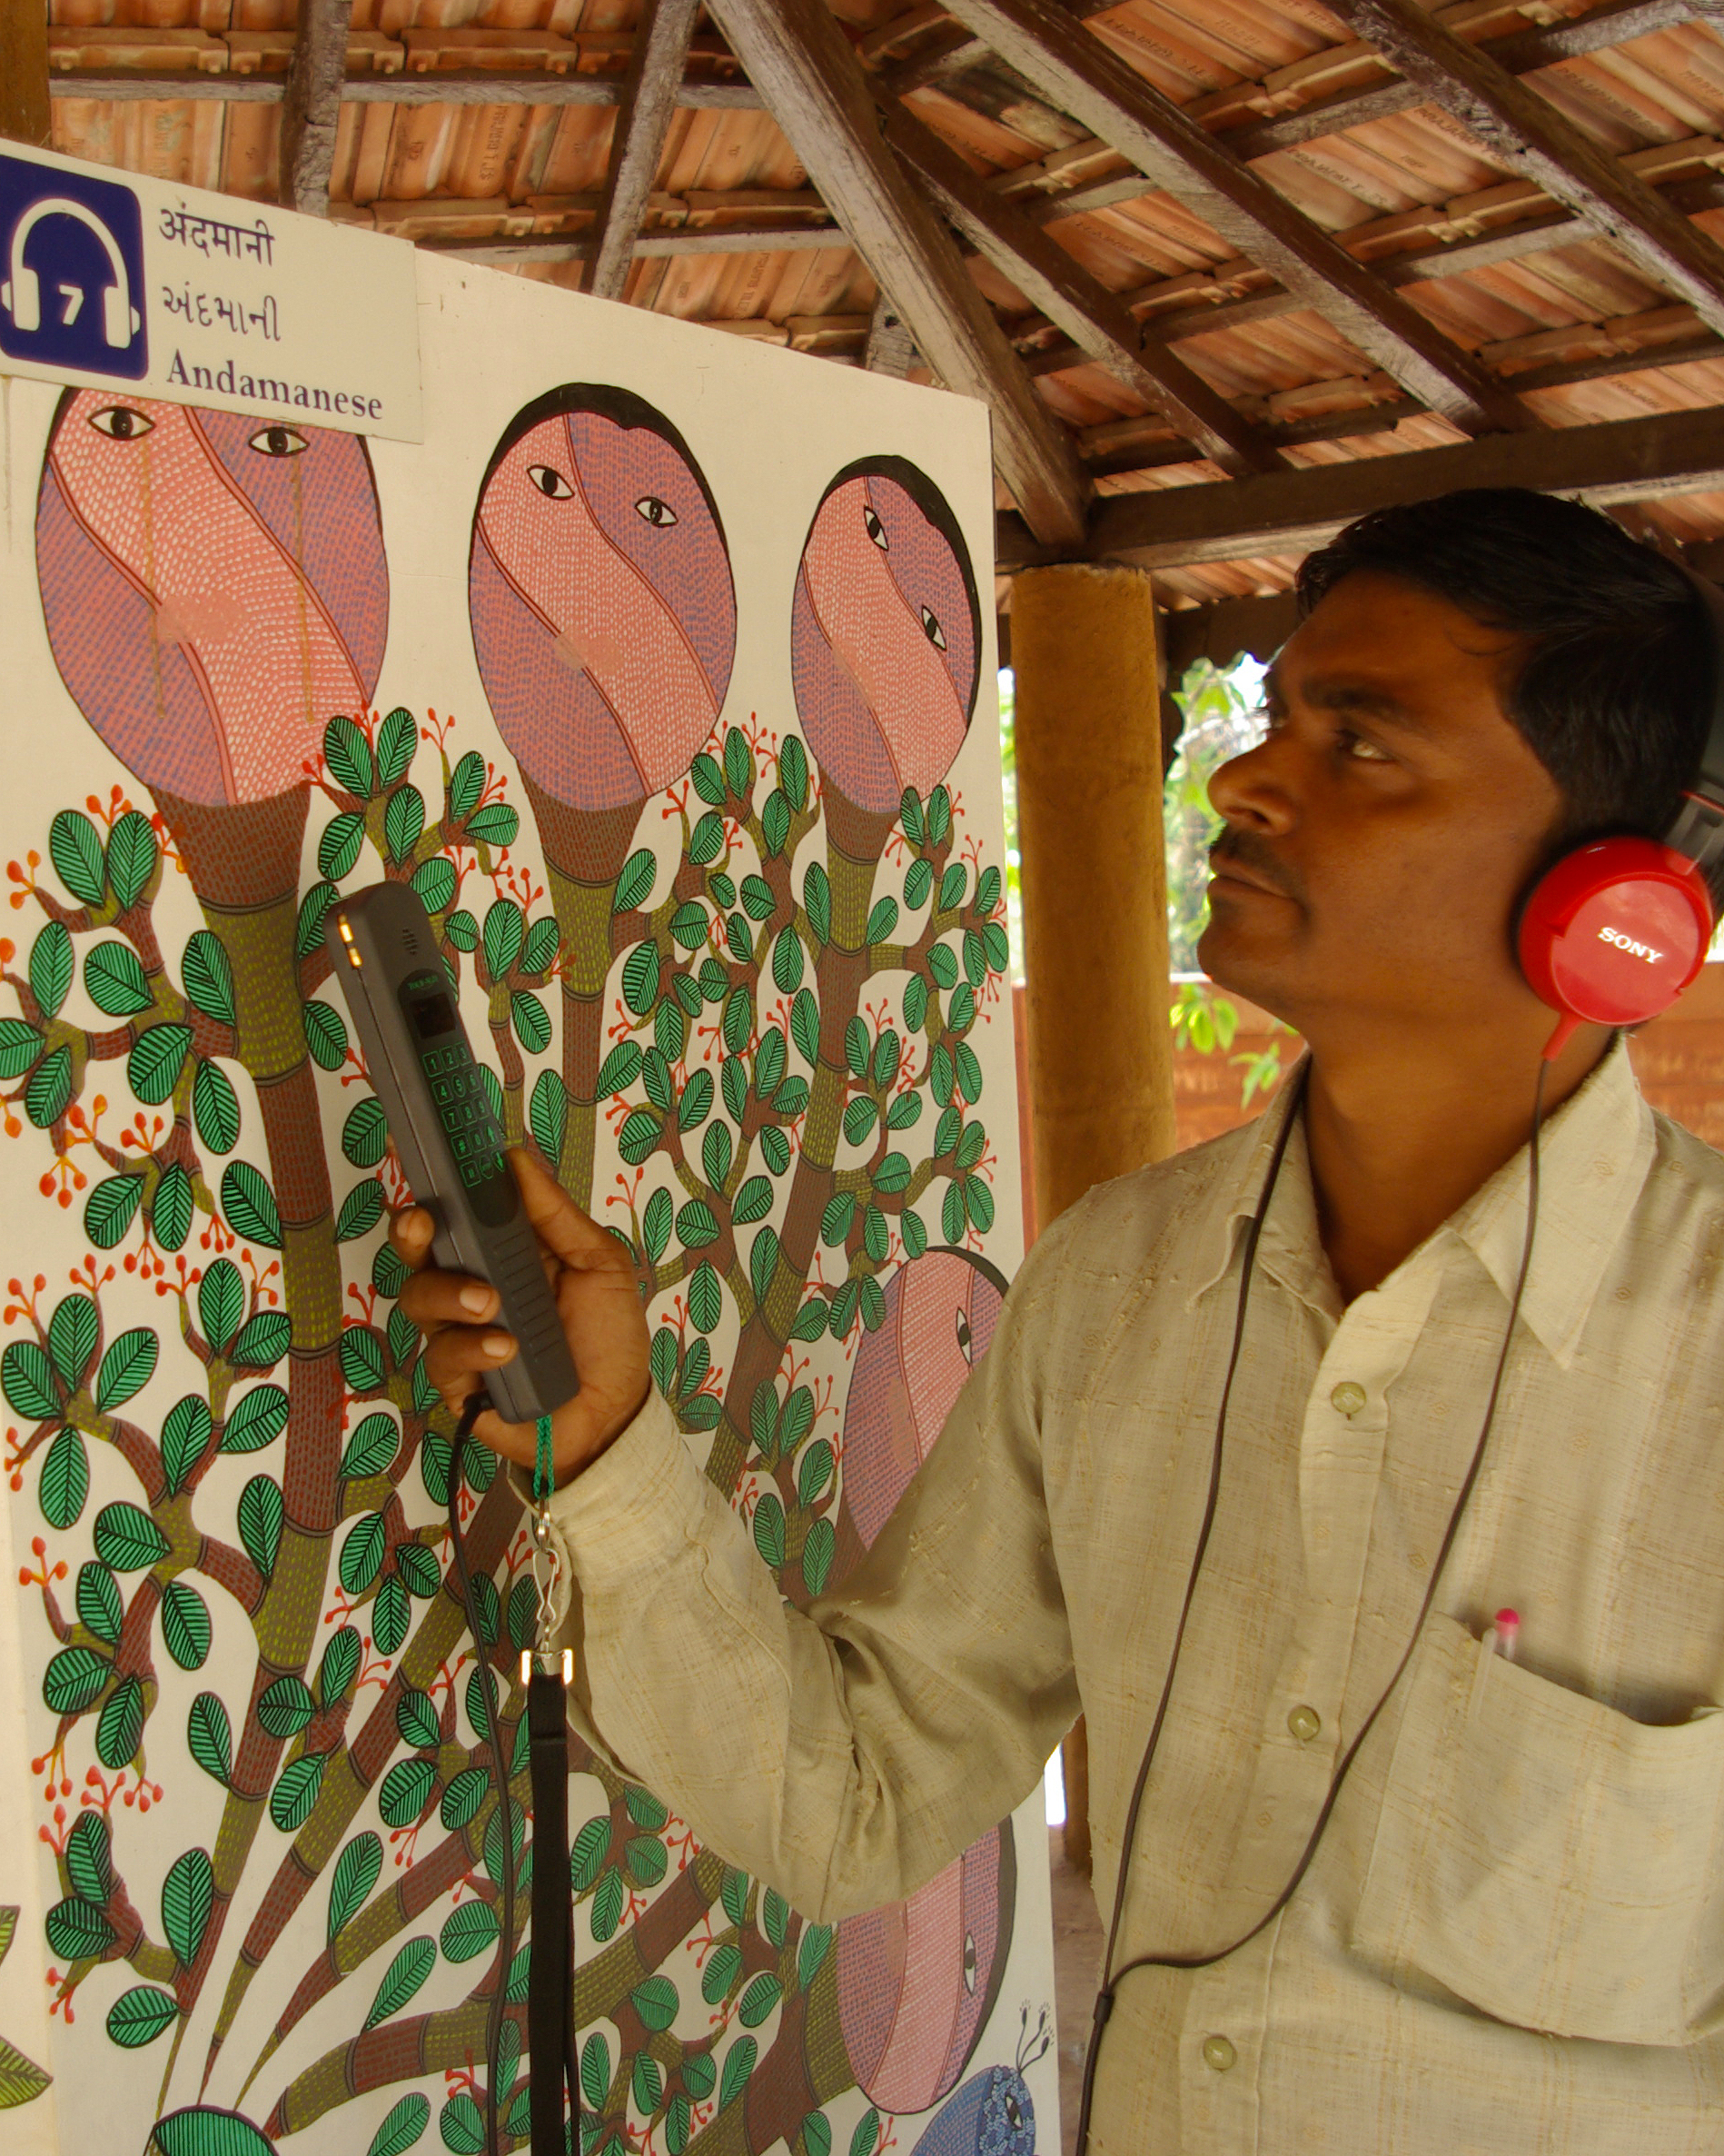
1083, 77
468, 86
1082, 306
643, 118
1526, 133
312, 104
1288, 513
800, 59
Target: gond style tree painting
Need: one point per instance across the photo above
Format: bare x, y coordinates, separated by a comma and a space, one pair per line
730, 966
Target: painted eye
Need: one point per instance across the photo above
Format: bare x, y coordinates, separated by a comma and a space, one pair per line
280, 442
551, 483
969, 1962
875, 529
964, 1336
656, 511
931, 629
1014, 2116
120, 422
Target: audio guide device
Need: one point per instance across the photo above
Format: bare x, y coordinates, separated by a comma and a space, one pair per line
446, 1131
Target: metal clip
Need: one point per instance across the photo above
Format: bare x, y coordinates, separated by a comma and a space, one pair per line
547, 1563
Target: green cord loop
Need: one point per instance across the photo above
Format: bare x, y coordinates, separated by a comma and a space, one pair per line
543, 1481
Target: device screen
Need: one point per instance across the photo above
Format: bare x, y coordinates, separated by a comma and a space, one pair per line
459, 1093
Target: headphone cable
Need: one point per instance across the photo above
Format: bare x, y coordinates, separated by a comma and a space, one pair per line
1111, 1978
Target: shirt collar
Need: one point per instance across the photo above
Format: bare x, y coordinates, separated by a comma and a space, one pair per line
1595, 1152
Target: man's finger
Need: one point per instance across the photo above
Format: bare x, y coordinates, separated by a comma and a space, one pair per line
433, 1298
458, 1356
409, 1235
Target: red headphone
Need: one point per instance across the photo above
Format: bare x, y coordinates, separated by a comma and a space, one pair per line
1614, 931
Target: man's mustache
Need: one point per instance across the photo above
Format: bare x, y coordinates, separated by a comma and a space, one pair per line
1246, 851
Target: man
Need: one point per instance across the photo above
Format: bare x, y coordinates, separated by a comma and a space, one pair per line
1510, 1936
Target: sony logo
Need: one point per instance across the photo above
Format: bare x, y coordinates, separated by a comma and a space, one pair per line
1622, 942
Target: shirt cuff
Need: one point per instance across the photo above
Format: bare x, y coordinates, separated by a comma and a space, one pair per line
635, 1507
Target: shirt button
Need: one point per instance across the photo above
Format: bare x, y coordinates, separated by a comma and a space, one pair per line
1348, 1399
1218, 2054
1304, 1723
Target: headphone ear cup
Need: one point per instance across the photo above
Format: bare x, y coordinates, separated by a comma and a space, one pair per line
1614, 931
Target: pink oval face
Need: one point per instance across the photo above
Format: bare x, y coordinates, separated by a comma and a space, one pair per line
883, 642
603, 613
940, 1314
214, 587
916, 1981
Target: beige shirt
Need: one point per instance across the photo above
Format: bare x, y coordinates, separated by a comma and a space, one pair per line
1512, 1935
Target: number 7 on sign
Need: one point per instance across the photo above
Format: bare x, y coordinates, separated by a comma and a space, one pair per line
73, 294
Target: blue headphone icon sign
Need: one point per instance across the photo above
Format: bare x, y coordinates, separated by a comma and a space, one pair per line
21, 293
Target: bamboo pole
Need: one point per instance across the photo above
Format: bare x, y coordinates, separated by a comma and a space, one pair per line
23, 72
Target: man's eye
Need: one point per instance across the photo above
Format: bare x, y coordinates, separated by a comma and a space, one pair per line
550, 482
1361, 750
120, 422
931, 629
279, 441
875, 529
655, 511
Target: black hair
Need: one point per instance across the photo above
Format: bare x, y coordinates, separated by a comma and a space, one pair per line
1615, 697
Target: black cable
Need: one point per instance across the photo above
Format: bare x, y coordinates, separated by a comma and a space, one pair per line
1112, 1977
477, 1403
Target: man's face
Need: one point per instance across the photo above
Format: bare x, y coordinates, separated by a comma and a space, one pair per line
1378, 838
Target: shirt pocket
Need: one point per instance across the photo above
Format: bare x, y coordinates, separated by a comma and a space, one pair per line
1544, 1858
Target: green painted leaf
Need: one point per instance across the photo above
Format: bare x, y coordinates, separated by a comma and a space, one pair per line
654, 2000
841, 1310
88, 1863
763, 1261
286, 1707
209, 1738
462, 2126
397, 738
496, 824
419, 1571
185, 1625
113, 980
758, 2000
362, 1557
361, 1354
530, 1021
595, 2070
119, 1729
859, 1119
49, 1092
171, 1209
139, 2016
295, 1792
339, 1666
221, 1303
814, 1470
263, 1341
406, 2122
810, 1320
131, 856
696, 1224
325, 1034
978, 1201
74, 848
952, 1213
645, 1859
186, 1432
372, 1447
390, 1617
739, 761
882, 920
768, 1530
706, 1297
914, 1234
607, 1903
469, 1931
620, 1069
355, 1874
815, 1944
362, 1209
739, 2064
816, 2133
126, 1367
548, 1114
216, 1108
77, 1932
73, 1679
205, 2132
639, 1136
153, 1067
348, 755
403, 822
100, 1608
260, 1522
26, 1377
969, 1072
308, 929
411, 1965
50, 966
648, 2084
817, 1556
208, 977
20, 1045
466, 783
249, 1205
753, 1201
775, 1916
504, 932
915, 1002
461, 930
462, 1798
641, 979
188, 1893
365, 1134
65, 1479
405, 1791
434, 883
127, 1538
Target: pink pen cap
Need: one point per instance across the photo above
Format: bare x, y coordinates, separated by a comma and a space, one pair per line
1508, 1632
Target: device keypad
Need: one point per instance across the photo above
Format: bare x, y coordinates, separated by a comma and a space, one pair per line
464, 1109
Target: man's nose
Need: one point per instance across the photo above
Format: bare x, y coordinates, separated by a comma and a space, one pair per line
1251, 791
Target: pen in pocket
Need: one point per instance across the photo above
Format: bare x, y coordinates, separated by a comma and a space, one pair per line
1500, 1638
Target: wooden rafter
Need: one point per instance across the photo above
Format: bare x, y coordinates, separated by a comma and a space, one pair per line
795, 54
891, 349
455, 86
1288, 513
643, 118
1082, 306
312, 104
1083, 77
23, 72
1525, 132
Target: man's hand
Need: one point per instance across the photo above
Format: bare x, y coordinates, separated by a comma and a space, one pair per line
592, 1277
